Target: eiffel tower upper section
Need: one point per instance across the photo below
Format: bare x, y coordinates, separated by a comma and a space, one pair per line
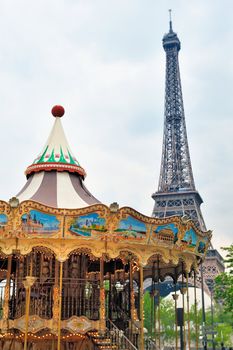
176, 193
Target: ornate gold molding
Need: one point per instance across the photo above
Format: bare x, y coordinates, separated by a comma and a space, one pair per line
107, 241
36, 324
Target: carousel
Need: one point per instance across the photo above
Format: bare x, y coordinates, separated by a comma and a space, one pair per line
72, 269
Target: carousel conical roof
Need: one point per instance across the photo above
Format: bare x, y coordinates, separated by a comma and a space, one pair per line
55, 178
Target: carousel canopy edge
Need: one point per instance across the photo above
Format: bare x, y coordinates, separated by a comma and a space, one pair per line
99, 222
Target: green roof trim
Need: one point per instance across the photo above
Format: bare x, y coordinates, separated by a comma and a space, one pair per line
72, 161
51, 158
62, 158
41, 160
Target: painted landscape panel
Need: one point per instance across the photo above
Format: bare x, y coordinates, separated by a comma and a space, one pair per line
167, 232
3, 222
83, 225
37, 222
131, 228
202, 246
190, 238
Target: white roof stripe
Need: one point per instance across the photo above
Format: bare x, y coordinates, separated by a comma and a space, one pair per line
67, 197
32, 188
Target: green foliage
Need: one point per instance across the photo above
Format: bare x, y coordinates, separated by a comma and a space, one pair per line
229, 258
222, 321
224, 334
147, 312
194, 331
223, 290
167, 317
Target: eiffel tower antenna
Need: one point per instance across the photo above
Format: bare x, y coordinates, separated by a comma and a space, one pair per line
170, 19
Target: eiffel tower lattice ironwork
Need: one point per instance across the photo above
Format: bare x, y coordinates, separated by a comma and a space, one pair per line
176, 193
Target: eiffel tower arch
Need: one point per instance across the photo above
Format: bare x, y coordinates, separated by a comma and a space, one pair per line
177, 194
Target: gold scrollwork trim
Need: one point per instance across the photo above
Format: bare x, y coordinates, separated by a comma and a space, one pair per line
5, 208
104, 242
35, 324
25, 206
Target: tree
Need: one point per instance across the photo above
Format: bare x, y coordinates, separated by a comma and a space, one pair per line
223, 290
195, 319
167, 316
222, 324
147, 312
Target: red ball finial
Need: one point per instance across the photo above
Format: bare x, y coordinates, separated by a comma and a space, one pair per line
58, 111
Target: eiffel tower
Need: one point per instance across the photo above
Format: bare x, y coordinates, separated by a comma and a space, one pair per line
177, 194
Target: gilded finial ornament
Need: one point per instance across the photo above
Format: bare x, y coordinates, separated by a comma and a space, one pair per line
14, 202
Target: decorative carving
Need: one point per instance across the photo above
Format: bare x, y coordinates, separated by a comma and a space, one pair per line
5, 207
114, 207
14, 202
55, 309
6, 305
35, 324
77, 324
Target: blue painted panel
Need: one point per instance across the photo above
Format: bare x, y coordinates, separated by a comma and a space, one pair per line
83, 225
37, 222
131, 228
190, 238
168, 229
3, 222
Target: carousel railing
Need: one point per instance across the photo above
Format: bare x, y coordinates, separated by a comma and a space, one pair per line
41, 299
118, 338
123, 321
132, 330
79, 297
150, 344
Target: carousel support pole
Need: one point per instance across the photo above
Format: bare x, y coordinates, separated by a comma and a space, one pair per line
159, 321
188, 315
56, 298
7, 295
102, 297
132, 301
175, 297
195, 309
14, 344
151, 311
155, 325
28, 283
152, 294
60, 304
212, 313
155, 308
183, 291
203, 310
141, 347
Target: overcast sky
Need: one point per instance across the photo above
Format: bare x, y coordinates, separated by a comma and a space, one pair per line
103, 61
